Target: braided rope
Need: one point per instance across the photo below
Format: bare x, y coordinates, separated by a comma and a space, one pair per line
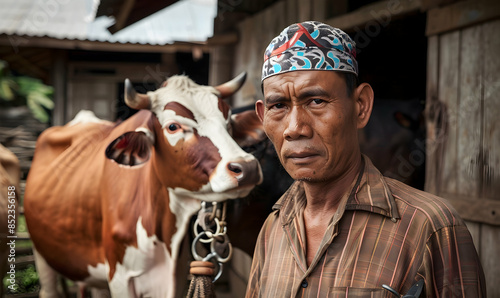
201, 285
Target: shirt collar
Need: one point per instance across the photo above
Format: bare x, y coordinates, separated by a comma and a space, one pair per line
371, 194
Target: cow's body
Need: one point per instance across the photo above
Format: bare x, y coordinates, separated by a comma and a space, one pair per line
112, 203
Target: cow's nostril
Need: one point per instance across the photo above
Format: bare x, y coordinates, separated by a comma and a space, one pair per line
235, 168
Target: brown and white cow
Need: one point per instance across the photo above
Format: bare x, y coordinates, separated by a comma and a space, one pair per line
111, 203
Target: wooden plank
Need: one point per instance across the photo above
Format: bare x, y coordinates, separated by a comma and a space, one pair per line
490, 258
336, 8
379, 13
491, 140
480, 209
469, 114
221, 65
461, 14
291, 10
305, 10
58, 81
432, 112
448, 95
428, 4
319, 12
475, 232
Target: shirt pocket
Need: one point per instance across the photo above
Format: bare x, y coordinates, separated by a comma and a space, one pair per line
338, 292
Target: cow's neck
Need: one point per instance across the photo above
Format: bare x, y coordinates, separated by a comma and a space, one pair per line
172, 214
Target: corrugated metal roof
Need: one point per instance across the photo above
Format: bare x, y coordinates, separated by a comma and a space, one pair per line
186, 20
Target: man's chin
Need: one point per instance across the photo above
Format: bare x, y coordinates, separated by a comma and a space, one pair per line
310, 179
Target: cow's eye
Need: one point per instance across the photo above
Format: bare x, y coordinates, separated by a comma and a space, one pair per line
173, 127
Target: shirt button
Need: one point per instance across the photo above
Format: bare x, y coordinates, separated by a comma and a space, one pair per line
304, 284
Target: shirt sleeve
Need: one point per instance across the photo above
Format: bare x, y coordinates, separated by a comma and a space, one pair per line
451, 266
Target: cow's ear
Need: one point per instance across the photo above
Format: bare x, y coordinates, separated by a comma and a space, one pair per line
132, 148
247, 129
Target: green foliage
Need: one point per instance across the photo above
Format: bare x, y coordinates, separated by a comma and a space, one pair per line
21, 90
27, 281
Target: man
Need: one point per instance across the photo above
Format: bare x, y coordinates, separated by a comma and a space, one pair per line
342, 229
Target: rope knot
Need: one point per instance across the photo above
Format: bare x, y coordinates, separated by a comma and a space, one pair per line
202, 268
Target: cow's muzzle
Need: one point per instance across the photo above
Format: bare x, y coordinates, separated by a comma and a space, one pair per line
247, 173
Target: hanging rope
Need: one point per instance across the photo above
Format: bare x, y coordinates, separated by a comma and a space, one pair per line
201, 285
209, 228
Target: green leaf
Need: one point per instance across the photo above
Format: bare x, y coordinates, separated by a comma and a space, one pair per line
41, 99
37, 111
6, 92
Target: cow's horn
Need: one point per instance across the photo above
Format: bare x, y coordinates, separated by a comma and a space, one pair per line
135, 100
229, 88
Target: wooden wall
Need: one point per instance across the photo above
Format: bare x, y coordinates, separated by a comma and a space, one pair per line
463, 133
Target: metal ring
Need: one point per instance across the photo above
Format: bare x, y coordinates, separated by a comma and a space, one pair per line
209, 257
211, 235
219, 258
218, 273
196, 256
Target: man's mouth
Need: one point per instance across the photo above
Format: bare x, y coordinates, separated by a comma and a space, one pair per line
301, 156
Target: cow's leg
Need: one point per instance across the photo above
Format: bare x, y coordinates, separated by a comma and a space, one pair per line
85, 291
47, 275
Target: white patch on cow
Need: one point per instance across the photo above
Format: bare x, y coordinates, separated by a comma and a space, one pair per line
183, 207
167, 117
146, 271
147, 132
221, 179
98, 277
85, 116
206, 193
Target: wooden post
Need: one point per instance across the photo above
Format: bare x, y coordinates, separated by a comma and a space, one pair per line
59, 74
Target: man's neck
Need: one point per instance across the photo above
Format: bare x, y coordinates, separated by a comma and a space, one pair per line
323, 198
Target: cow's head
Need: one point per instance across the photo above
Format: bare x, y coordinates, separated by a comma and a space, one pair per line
188, 140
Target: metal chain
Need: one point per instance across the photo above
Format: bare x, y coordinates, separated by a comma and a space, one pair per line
210, 228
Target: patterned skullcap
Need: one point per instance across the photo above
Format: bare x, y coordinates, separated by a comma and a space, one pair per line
310, 46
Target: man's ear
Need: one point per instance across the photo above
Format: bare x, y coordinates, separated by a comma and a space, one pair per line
363, 95
259, 109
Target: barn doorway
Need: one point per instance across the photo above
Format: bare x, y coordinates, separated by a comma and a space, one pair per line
392, 56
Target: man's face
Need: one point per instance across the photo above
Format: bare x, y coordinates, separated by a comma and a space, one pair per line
312, 123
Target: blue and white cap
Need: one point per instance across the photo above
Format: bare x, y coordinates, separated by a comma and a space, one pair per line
310, 46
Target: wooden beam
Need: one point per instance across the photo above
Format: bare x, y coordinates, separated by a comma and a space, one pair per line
224, 39
428, 4
27, 64
381, 12
481, 210
17, 42
59, 82
123, 15
461, 14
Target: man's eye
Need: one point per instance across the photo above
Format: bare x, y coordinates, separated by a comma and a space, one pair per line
278, 106
318, 101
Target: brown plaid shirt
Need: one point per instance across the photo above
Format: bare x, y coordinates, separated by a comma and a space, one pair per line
384, 232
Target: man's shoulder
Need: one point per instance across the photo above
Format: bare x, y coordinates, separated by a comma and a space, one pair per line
437, 210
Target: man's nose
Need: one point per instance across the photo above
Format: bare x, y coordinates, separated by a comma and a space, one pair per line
298, 124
